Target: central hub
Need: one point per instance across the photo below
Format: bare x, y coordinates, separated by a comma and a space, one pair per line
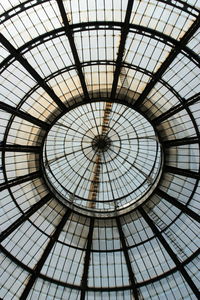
101, 143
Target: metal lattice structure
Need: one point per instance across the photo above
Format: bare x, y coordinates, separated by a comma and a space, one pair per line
99, 145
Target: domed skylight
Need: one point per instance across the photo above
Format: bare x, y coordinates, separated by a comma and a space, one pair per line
99, 146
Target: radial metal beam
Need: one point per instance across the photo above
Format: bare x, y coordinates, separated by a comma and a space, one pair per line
19, 148
170, 58
19, 180
176, 109
124, 33
181, 142
25, 116
179, 205
169, 250
4, 234
69, 34
32, 71
127, 258
182, 172
84, 281
45, 254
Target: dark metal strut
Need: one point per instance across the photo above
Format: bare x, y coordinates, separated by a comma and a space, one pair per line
182, 172
32, 71
84, 281
170, 58
20, 179
179, 205
127, 258
19, 148
69, 34
176, 109
25, 116
124, 34
45, 254
171, 253
181, 142
4, 234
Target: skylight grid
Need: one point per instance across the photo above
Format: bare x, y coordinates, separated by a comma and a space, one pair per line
99, 149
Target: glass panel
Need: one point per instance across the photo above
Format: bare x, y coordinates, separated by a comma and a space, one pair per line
50, 56
55, 292
171, 287
12, 278
184, 76
89, 10
145, 52
150, 260
108, 270
117, 295
15, 84
193, 270
31, 23
161, 16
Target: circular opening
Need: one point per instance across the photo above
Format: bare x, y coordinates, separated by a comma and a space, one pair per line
102, 158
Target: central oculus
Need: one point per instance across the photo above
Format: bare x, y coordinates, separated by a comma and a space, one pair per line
102, 159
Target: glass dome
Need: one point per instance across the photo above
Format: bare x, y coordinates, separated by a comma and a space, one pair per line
99, 149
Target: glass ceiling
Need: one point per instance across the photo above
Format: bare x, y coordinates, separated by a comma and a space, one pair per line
99, 149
